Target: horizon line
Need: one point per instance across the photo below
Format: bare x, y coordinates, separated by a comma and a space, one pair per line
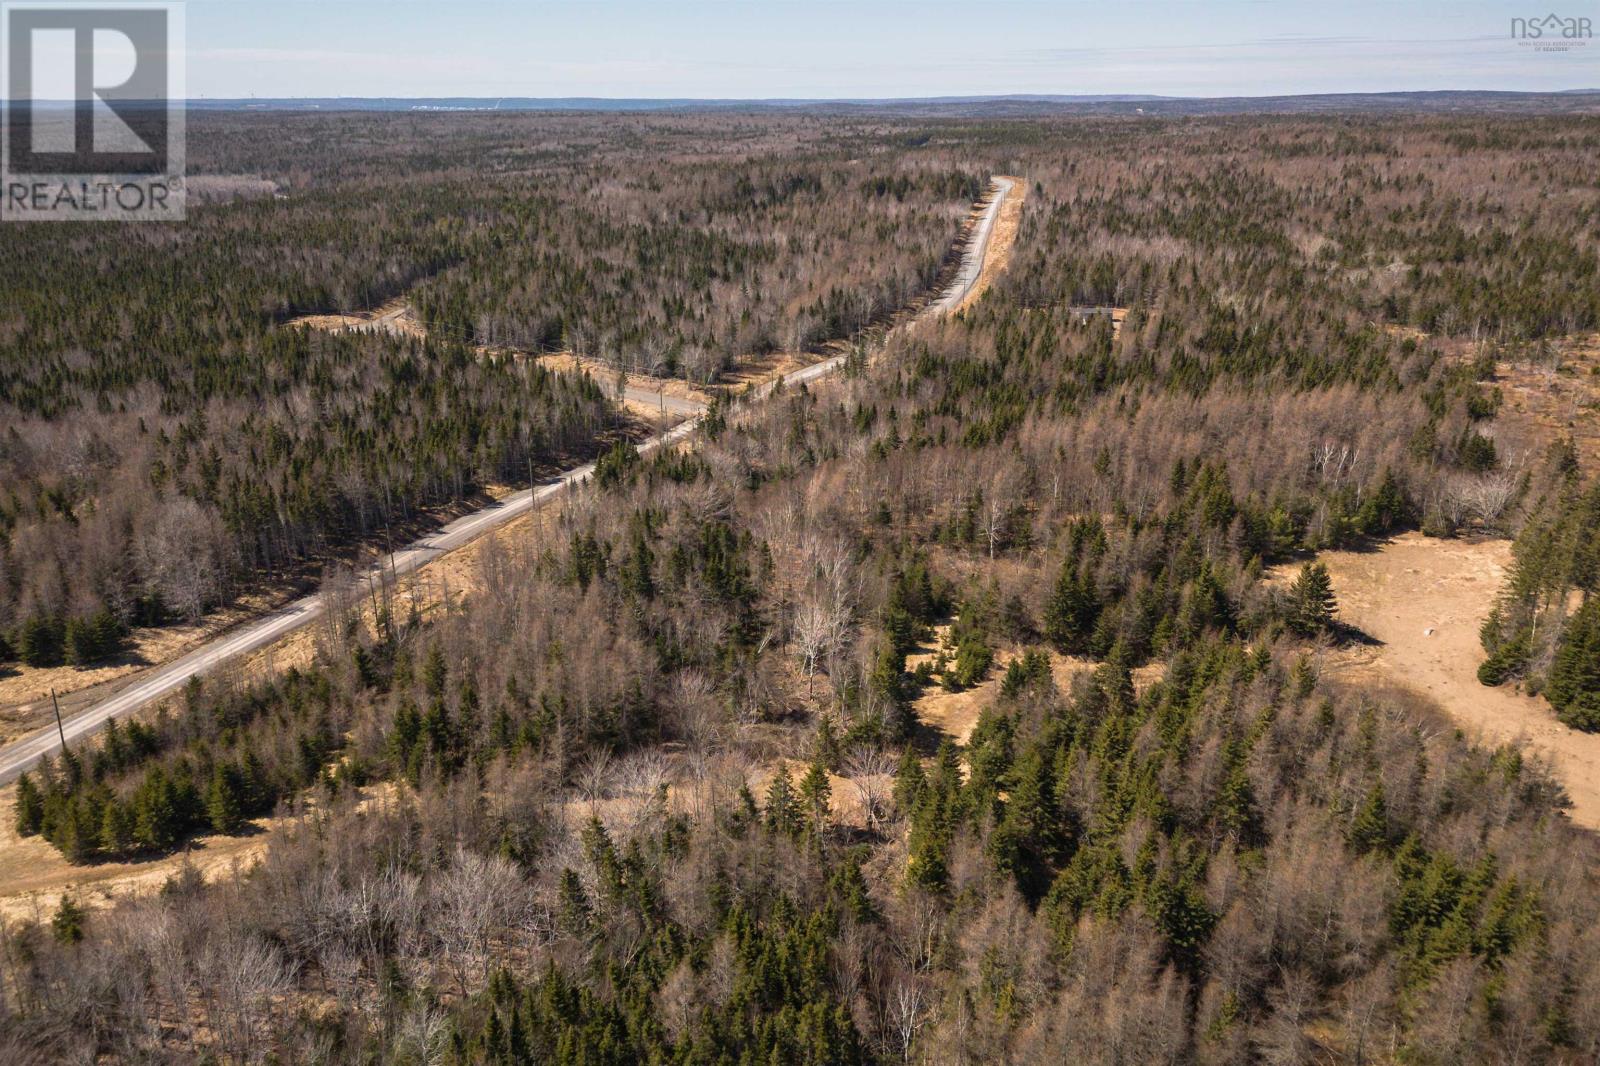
1130, 97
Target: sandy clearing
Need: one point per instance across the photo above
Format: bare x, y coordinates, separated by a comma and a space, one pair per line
1425, 599
955, 715
566, 363
395, 317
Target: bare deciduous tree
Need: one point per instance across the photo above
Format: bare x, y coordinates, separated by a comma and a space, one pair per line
243, 974
1490, 494
472, 898
183, 554
908, 1011
871, 773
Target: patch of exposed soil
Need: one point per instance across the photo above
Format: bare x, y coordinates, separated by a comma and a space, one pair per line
678, 388
954, 715
1422, 601
395, 317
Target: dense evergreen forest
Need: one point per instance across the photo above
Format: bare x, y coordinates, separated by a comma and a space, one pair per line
660, 789
167, 442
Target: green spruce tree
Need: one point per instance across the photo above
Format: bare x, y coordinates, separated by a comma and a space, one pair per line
30, 807
225, 799
1072, 611
782, 813
1574, 684
816, 795
1311, 602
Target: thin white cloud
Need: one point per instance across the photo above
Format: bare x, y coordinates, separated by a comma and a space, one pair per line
1210, 49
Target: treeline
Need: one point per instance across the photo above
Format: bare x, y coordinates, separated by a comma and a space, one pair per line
223, 760
679, 271
1400, 233
1545, 626
346, 439
168, 442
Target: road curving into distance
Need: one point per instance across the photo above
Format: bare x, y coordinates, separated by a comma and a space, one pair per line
163, 680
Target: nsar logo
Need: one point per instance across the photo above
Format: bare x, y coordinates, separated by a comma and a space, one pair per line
1553, 33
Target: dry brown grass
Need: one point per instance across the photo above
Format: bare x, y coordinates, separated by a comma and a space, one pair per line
954, 715
1422, 600
25, 690
34, 876
1544, 400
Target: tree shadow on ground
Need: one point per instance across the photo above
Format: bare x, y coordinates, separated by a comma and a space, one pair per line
1347, 635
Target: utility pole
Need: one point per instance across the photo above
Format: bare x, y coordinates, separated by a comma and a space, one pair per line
59, 727
372, 592
394, 573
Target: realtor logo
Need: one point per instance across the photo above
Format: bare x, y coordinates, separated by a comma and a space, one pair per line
94, 123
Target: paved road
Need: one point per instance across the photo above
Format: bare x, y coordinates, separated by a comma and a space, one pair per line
972, 261
672, 405
163, 680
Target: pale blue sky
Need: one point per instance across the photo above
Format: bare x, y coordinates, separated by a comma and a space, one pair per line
868, 48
